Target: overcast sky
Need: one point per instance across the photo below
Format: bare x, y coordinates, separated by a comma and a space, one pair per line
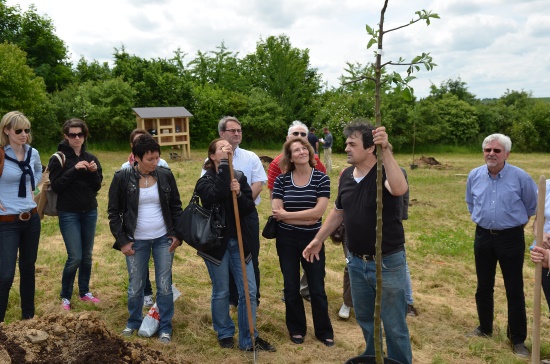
493, 45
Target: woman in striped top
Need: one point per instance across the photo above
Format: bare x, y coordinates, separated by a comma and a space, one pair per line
300, 198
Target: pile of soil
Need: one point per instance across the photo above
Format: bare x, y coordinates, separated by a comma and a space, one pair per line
79, 338
429, 162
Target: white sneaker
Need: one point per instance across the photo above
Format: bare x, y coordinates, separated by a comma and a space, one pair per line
344, 311
148, 301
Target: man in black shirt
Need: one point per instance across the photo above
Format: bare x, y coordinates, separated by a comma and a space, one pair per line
356, 206
313, 140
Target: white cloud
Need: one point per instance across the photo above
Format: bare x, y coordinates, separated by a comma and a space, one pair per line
492, 45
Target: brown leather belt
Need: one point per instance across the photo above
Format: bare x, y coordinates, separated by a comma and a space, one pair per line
24, 216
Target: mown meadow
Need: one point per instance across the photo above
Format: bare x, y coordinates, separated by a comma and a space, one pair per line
440, 254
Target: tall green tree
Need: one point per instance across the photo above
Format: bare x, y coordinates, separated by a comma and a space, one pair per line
220, 67
156, 82
92, 71
456, 87
284, 73
105, 106
47, 54
447, 121
22, 90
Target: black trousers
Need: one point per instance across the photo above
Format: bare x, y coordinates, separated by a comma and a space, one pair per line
506, 247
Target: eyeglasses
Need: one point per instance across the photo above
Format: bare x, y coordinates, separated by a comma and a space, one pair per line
74, 135
489, 150
234, 131
19, 131
300, 133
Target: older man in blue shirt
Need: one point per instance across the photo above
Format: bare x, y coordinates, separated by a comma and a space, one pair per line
501, 198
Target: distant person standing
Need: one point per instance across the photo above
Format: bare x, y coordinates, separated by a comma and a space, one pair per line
313, 140
327, 149
501, 198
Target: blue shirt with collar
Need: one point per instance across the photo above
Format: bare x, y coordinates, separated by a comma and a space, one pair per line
503, 202
9, 183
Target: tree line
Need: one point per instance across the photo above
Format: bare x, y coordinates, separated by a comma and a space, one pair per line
266, 90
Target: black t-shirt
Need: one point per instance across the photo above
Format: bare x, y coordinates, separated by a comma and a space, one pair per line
313, 140
358, 200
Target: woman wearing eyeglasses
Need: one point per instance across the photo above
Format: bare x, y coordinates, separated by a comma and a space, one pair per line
76, 183
20, 172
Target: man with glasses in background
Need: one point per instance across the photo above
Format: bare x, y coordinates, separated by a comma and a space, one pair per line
296, 129
501, 198
229, 128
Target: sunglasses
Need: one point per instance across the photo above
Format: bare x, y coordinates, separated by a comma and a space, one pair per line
489, 150
74, 135
300, 133
19, 131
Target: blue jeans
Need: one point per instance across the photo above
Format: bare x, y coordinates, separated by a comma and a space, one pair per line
219, 274
22, 236
290, 246
138, 266
362, 275
78, 231
408, 286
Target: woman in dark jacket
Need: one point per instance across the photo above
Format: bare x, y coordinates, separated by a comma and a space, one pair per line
216, 187
76, 183
144, 202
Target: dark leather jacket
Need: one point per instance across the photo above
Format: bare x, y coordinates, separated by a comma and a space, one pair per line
215, 188
124, 198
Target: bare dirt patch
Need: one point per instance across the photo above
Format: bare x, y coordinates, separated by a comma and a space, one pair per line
80, 338
429, 162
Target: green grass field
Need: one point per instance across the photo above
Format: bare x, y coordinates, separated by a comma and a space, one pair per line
440, 255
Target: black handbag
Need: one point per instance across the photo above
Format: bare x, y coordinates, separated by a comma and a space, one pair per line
199, 227
270, 228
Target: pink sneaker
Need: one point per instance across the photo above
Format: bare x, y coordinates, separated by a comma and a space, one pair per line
88, 297
66, 304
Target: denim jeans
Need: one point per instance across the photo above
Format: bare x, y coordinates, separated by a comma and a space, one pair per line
22, 236
253, 223
219, 274
408, 286
78, 231
290, 246
362, 275
508, 250
138, 266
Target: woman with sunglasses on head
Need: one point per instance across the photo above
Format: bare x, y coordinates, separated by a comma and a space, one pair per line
19, 222
76, 184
